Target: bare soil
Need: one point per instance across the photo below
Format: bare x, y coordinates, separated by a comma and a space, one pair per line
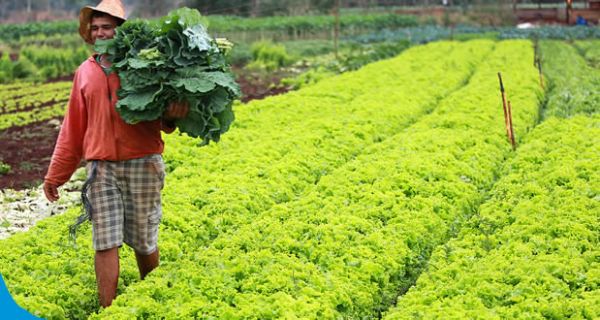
28, 149
258, 85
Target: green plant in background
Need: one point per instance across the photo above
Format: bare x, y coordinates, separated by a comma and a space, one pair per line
5, 223
269, 56
25, 69
574, 85
240, 54
590, 50
54, 62
361, 55
353, 57
312, 76
6, 68
4, 168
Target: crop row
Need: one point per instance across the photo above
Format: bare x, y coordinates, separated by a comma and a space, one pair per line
428, 33
12, 32
293, 24
574, 84
532, 251
277, 149
590, 49
12, 87
26, 117
43, 96
350, 244
25, 103
551, 32
17, 90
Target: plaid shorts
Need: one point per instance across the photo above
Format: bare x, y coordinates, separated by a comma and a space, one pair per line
126, 204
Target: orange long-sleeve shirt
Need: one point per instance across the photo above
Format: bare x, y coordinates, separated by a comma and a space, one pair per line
92, 128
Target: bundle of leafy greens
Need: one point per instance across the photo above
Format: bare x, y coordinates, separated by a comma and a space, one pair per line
173, 59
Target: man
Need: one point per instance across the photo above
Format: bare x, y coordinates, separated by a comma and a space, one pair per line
125, 167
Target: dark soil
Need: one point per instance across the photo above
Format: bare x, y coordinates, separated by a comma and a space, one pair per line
61, 78
28, 149
257, 85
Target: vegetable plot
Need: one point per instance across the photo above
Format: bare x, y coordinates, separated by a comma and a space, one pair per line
174, 60
22, 104
280, 148
574, 84
532, 250
345, 248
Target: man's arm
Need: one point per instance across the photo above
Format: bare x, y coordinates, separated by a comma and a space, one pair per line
69, 145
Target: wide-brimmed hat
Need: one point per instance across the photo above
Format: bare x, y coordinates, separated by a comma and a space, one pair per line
112, 7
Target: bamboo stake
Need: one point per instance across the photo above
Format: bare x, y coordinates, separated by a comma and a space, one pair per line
512, 133
504, 107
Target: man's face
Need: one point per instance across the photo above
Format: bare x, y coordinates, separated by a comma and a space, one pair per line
103, 28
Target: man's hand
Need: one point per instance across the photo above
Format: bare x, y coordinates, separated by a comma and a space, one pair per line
51, 192
176, 110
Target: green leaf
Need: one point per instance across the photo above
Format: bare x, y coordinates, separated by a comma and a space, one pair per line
194, 124
138, 63
219, 100
102, 46
225, 117
139, 100
225, 80
198, 38
198, 85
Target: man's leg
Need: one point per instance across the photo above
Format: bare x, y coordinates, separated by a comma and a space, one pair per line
147, 263
107, 275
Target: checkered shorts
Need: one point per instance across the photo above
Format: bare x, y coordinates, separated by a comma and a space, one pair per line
126, 205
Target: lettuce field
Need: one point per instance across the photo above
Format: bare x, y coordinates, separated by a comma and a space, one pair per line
390, 192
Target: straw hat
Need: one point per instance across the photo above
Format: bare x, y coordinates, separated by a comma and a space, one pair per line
112, 7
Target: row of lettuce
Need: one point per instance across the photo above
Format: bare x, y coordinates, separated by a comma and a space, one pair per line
278, 150
428, 33
25, 103
531, 251
575, 84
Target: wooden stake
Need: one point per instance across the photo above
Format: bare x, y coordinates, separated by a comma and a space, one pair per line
504, 106
512, 133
